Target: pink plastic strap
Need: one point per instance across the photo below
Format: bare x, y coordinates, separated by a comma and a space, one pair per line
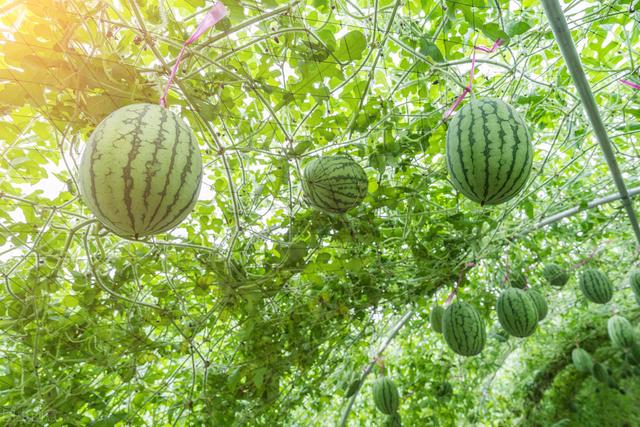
469, 88
630, 83
213, 16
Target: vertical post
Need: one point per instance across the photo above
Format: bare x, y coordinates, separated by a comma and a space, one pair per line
560, 29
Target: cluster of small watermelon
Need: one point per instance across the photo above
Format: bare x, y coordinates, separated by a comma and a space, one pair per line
520, 308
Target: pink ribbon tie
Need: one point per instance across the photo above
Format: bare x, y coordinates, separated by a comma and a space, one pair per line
213, 16
469, 88
630, 83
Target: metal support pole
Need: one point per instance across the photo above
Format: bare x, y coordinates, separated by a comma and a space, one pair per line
560, 29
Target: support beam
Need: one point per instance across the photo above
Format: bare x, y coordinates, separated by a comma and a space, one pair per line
592, 204
560, 29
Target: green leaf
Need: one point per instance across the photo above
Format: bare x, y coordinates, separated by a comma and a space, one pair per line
428, 48
351, 47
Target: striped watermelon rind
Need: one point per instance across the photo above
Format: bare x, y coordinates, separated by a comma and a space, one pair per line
582, 360
435, 318
517, 312
596, 286
621, 332
141, 170
600, 372
634, 281
540, 303
386, 396
555, 275
463, 329
334, 184
393, 420
489, 151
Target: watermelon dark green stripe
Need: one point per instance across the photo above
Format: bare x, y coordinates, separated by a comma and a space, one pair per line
621, 332
595, 286
463, 329
386, 396
489, 153
141, 170
634, 282
540, 303
517, 313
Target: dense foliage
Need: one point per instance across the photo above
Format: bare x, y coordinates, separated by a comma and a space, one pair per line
259, 310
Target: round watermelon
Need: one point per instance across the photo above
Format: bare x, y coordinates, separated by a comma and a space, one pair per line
463, 329
621, 332
541, 304
334, 184
582, 360
436, 318
517, 312
386, 396
141, 170
555, 275
595, 286
489, 151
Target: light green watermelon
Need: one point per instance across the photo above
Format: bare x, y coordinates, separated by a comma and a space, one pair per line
555, 275
334, 184
435, 318
596, 286
621, 332
141, 170
489, 151
463, 329
582, 360
517, 312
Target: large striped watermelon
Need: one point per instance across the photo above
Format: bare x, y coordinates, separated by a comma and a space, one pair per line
489, 152
334, 184
517, 312
595, 286
141, 170
386, 396
555, 275
621, 332
464, 329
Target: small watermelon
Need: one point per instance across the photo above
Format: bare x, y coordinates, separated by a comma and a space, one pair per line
517, 279
141, 170
600, 372
540, 303
555, 275
386, 396
463, 329
634, 281
436, 318
489, 151
621, 332
334, 184
595, 286
582, 360
517, 312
